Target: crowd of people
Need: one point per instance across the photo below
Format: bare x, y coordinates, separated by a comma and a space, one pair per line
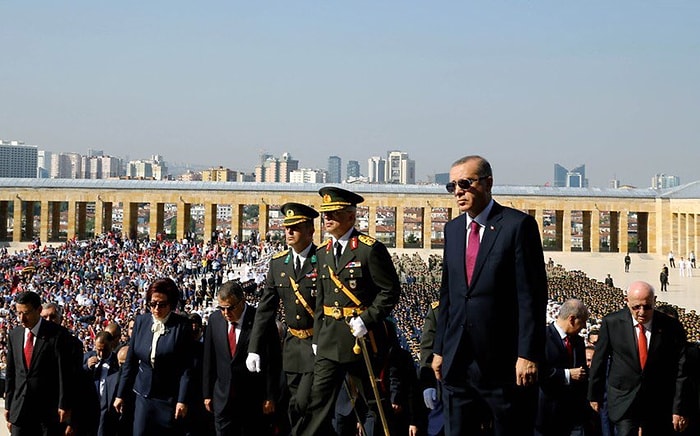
104, 281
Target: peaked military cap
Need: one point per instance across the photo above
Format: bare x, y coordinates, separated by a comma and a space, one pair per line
295, 213
337, 198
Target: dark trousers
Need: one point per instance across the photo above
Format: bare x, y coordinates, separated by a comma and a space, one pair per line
299, 385
512, 410
328, 379
156, 417
36, 429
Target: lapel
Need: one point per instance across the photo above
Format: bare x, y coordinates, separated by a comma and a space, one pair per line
627, 334
348, 252
656, 335
556, 339
492, 227
40, 342
309, 263
246, 327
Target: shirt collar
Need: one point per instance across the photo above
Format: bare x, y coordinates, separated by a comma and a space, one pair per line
303, 253
561, 332
482, 217
345, 238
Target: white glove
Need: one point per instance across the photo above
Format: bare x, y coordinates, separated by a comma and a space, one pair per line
430, 398
253, 362
357, 327
314, 347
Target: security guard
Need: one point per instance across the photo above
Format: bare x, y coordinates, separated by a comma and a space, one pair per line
291, 278
357, 289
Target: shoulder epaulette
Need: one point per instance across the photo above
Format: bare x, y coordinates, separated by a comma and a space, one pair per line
434, 304
280, 254
367, 240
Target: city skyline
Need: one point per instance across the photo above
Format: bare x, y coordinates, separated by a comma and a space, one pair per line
612, 86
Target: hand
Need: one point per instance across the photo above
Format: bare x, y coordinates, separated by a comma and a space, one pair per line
396, 408
180, 410
430, 398
679, 423
595, 406
578, 374
7, 421
92, 361
118, 405
63, 415
70, 431
253, 362
357, 327
412, 430
437, 366
268, 407
207, 405
313, 348
525, 372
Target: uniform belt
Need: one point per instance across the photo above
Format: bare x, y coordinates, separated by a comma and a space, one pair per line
301, 334
342, 312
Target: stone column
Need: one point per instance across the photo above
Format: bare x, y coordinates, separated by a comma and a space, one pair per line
29, 220
3, 220
183, 219
682, 235
17, 221
99, 216
398, 228
566, 230
263, 220
372, 221
72, 213
82, 219
427, 227
44, 222
559, 234
539, 217
155, 224
624, 235
614, 232
236, 213
587, 236
130, 221
210, 210
642, 230
595, 231
55, 220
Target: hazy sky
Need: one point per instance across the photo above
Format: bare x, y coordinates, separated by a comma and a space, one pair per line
614, 84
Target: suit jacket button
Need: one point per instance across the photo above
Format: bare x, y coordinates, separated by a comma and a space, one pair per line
298, 316
296, 301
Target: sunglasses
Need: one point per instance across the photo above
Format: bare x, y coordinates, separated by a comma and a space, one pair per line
229, 308
462, 183
642, 306
158, 304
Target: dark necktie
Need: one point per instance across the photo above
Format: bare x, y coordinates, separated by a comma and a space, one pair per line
569, 350
297, 265
472, 249
338, 253
232, 338
29, 349
642, 346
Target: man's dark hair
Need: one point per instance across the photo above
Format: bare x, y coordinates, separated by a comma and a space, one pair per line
232, 288
29, 298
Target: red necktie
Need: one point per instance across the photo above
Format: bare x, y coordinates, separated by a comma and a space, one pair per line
232, 338
472, 249
29, 349
642, 346
569, 349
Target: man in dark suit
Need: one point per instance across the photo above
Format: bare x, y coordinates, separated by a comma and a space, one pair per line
357, 289
39, 373
99, 366
490, 333
562, 407
239, 399
647, 385
111, 422
292, 279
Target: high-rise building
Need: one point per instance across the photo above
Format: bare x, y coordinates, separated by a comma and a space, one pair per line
376, 169
663, 181
286, 166
272, 169
220, 174
306, 175
334, 170
17, 159
43, 164
400, 169
153, 168
575, 178
353, 169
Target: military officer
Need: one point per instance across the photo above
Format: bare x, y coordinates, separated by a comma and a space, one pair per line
357, 289
291, 279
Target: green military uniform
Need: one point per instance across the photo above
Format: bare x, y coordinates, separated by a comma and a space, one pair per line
364, 283
427, 375
297, 292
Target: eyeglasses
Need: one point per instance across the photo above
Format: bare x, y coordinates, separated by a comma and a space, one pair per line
642, 306
462, 183
158, 304
229, 308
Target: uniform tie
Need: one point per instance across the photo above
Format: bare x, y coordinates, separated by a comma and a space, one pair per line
28, 349
472, 249
642, 346
297, 265
338, 253
232, 338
